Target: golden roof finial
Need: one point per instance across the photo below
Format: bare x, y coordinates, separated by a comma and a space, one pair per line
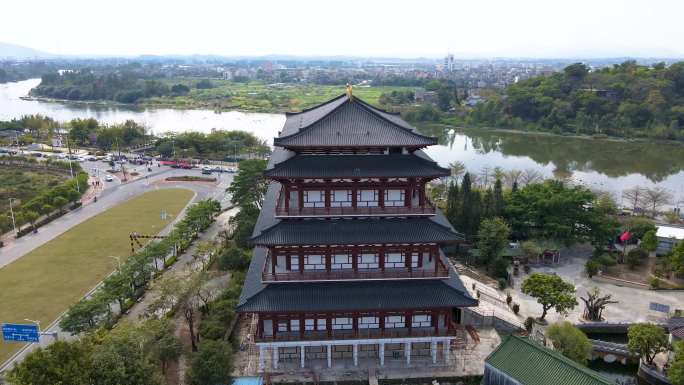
349, 91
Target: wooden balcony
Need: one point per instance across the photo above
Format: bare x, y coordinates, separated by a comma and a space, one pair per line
360, 334
426, 271
360, 211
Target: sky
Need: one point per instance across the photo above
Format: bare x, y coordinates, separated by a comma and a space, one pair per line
368, 28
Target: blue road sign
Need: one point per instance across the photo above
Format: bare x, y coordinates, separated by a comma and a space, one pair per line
20, 333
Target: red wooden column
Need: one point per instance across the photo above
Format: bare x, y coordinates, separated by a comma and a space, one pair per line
381, 257
408, 258
420, 256
381, 192
435, 320
300, 197
286, 190
435, 253
355, 323
301, 259
274, 262
328, 259
408, 320
355, 258
260, 327
447, 319
274, 325
381, 322
301, 326
327, 194
421, 194
288, 262
408, 197
355, 191
328, 324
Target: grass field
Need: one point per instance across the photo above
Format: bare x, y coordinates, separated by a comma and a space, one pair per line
261, 97
45, 282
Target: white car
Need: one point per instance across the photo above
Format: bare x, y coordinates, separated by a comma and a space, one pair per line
109, 178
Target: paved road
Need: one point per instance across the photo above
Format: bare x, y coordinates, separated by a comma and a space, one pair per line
114, 192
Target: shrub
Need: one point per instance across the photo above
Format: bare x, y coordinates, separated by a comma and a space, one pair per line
212, 364
529, 324
592, 267
509, 299
516, 308
635, 256
655, 283
233, 258
606, 260
502, 283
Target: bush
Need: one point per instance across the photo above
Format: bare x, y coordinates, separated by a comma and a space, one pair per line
529, 324
606, 260
635, 256
233, 258
212, 328
516, 308
655, 283
592, 267
509, 299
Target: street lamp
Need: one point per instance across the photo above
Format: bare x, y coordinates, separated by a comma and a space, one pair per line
14, 224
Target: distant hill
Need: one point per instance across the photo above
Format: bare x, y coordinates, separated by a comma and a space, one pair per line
13, 51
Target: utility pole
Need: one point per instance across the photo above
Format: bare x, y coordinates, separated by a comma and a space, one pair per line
71, 170
14, 224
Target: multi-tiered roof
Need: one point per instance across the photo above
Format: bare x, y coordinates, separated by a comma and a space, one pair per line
348, 140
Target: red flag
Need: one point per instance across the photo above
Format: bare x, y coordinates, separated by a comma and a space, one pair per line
625, 236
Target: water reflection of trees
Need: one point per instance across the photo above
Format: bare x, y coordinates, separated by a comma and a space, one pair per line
655, 160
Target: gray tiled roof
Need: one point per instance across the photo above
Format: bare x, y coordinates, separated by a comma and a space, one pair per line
355, 232
342, 122
360, 295
356, 166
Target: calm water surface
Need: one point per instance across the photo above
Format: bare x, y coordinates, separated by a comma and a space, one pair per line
605, 164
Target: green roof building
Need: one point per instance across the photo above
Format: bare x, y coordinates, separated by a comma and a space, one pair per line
519, 361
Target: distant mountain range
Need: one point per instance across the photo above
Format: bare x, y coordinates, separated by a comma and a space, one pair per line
18, 52
13, 51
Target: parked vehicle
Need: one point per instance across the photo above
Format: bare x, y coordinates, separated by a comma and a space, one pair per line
109, 178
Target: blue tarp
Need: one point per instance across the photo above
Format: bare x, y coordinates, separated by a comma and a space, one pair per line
248, 381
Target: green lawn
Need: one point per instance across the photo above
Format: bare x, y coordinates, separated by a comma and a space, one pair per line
45, 282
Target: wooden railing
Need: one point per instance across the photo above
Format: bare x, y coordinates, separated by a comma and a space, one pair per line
358, 334
283, 211
351, 274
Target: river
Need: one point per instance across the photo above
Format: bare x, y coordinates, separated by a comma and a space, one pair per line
611, 165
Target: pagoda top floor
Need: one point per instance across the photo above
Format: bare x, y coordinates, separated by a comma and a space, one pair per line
347, 124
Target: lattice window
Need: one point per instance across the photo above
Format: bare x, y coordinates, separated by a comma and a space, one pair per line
314, 198
394, 197
368, 261
341, 198
341, 261
294, 325
367, 198
394, 260
342, 323
282, 326
369, 323
394, 321
314, 262
421, 321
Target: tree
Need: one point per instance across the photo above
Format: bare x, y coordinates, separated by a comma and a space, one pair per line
61, 362
639, 226
457, 169
499, 202
570, 341
552, 210
592, 267
492, 239
234, 258
551, 292
30, 217
647, 340
249, 185
60, 202
649, 242
594, 304
655, 198
83, 316
676, 372
211, 364
167, 349
677, 258
635, 196
453, 203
